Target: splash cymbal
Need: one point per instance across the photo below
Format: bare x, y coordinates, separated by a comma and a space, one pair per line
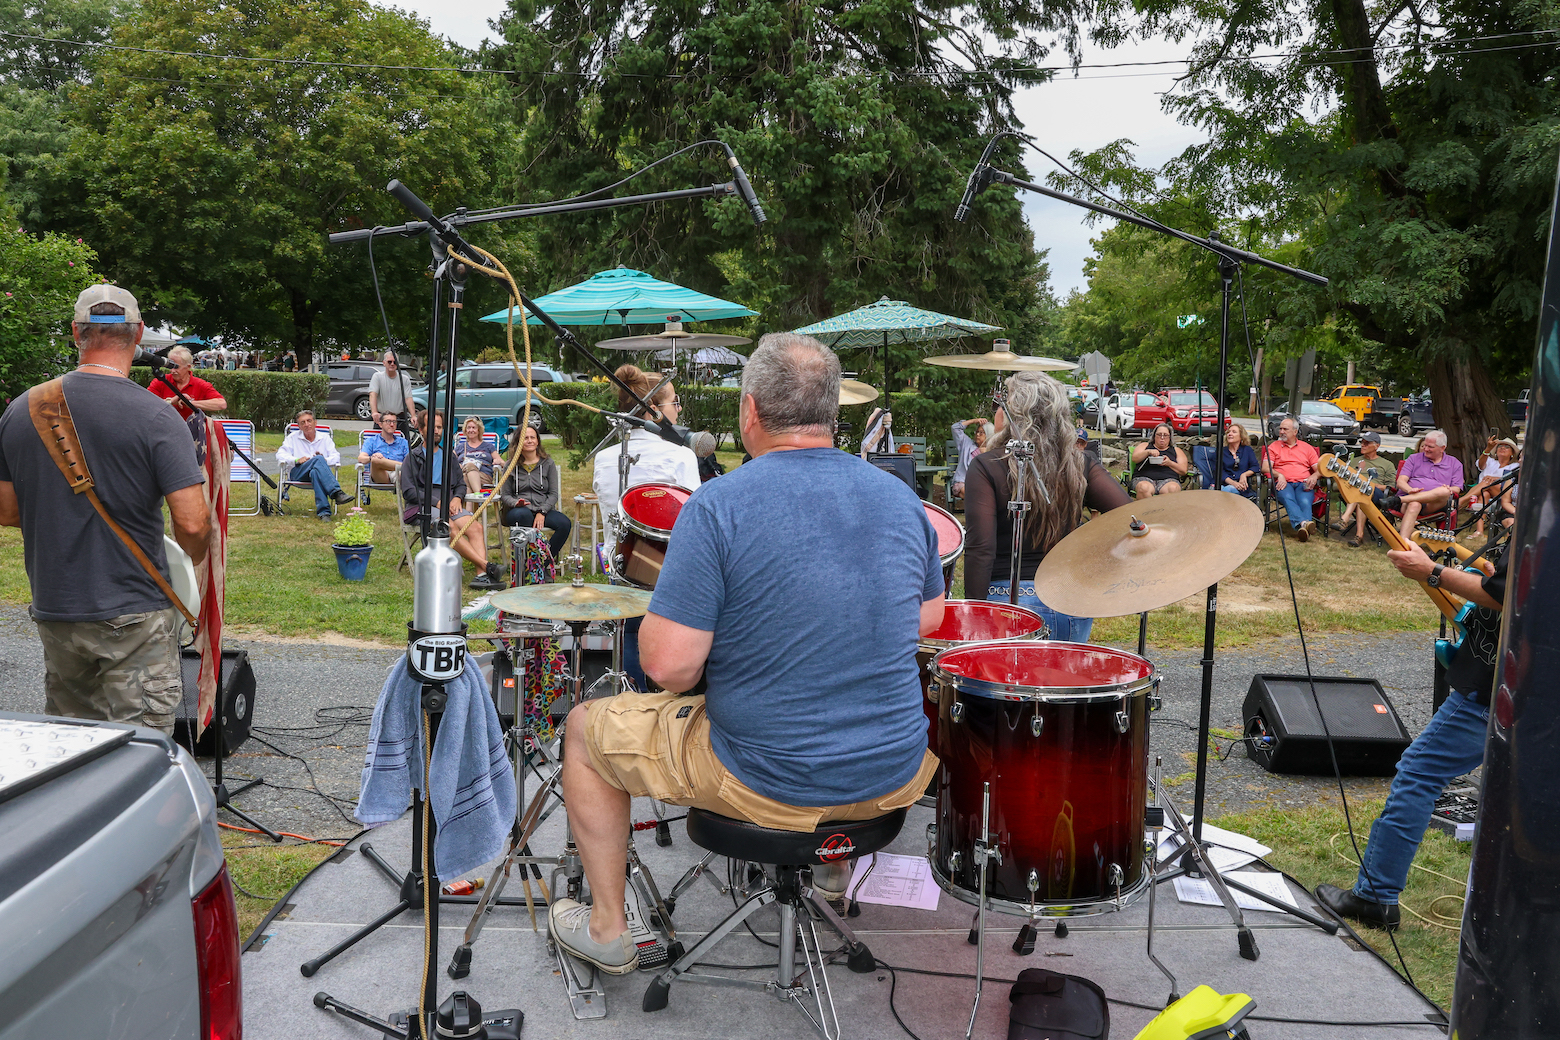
1002, 361
854, 391
1188, 542
567, 602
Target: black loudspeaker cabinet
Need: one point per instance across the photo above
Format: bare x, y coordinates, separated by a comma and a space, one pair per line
1284, 734
901, 466
235, 700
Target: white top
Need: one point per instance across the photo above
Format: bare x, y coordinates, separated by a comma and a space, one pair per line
1493, 470
658, 460
295, 449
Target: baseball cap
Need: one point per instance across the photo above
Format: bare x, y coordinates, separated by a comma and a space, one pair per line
1372, 436
93, 295
1083, 434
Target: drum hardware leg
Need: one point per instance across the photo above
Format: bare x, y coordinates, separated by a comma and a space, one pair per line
663, 830
690, 877
644, 881
1116, 877
984, 852
1061, 929
1024, 945
1194, 862
1153, 888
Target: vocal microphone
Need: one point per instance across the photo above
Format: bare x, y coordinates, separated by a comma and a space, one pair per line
155, 361
980, 177
744, 188
670, 432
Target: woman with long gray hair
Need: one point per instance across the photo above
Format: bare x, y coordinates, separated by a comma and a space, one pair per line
1039, 412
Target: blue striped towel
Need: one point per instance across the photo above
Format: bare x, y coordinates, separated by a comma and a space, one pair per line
472, 790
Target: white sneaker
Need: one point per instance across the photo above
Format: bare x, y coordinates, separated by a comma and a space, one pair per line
569, 922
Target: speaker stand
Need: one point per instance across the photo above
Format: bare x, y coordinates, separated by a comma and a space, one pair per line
219, 789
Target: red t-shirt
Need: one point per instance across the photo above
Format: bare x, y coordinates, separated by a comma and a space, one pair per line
1293, 464
198, 390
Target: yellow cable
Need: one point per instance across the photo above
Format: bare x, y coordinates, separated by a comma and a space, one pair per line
1333, 842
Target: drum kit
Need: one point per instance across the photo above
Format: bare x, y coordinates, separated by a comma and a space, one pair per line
1043, 788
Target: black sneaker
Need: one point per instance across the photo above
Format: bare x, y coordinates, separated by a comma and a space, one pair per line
340, 497
491, 578
1346, 904
1392, 503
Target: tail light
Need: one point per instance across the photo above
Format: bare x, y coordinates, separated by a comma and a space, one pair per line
216, 955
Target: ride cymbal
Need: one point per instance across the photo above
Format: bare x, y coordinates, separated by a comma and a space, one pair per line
1188, 542
566, 602
1002, 361
854, 391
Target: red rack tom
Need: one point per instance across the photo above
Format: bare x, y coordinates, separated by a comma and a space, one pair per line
970, 621
649, 512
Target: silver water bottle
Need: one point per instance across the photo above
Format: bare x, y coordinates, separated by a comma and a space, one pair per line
436, 648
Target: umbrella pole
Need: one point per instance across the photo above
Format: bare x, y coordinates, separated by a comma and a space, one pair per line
888, 402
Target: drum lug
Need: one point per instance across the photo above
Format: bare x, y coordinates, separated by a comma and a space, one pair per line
955, 861
1123, 722
956, 712
931, 841
1155, 702
1117, 876
1033, 884
1036, 724
984, 851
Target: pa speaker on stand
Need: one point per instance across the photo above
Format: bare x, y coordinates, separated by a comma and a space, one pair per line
235, 702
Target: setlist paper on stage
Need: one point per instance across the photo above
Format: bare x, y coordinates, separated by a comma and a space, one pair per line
1200, 890
1227, 850
895, 881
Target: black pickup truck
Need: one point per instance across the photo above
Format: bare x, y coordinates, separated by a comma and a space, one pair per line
1517, 411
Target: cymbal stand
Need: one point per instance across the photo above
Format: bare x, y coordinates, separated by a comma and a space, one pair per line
984, 851
1156, 822
1023, 453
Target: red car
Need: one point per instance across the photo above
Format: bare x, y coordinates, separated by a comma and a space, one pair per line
1136, 411
1194, 411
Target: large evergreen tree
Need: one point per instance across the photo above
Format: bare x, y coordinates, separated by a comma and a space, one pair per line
857, 120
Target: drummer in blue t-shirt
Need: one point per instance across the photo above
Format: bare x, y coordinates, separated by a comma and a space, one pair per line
799, 726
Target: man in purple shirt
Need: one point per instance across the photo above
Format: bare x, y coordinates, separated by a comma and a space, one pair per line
1427, 483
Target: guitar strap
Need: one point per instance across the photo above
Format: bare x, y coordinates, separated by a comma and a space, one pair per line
51, 418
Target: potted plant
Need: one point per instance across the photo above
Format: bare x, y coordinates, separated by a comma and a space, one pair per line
354, 535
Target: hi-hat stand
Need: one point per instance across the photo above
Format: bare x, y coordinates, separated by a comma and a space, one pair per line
223, 794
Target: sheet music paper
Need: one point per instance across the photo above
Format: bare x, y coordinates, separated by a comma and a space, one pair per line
895, 881
1200, 890
1227, 850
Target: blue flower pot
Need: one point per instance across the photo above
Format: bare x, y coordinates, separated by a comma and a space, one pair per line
352, 561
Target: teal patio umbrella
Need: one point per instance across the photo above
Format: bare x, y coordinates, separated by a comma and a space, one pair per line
892, 321
626, 297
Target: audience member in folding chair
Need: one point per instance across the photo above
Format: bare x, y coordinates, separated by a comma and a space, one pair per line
1429, 483
1158, 465
308, 458
1382, 474
380, 454
531, 493
1292, 463
449, 492
1242, 473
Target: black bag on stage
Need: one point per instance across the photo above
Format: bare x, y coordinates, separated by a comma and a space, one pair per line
1048, 1005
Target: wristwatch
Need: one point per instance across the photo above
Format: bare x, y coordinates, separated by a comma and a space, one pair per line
1434, 581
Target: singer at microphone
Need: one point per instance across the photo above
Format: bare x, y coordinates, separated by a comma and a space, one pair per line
195, 389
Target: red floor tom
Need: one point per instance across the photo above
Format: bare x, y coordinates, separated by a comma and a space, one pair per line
950, 539
1060, 731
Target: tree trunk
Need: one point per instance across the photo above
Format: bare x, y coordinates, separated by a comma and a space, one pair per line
1364, 101
1466, 407
303, 328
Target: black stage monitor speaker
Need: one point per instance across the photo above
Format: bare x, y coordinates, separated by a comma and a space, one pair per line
1285, 735
235, 700
901, 466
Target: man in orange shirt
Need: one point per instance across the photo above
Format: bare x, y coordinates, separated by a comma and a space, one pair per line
1291, 462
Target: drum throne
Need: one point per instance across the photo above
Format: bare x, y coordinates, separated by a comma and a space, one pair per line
789, 857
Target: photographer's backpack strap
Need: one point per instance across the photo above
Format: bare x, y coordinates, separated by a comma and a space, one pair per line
51, 418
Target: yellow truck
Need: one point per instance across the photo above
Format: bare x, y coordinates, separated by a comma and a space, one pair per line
1368, 405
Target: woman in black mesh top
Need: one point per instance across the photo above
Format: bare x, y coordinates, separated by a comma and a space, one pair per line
1037, 411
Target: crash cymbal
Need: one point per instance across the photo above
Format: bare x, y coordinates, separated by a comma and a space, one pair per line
566, 602
1002, 361
1190, 541
666, 340
854, 391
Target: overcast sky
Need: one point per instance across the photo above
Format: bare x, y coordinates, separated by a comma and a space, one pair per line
1086, 112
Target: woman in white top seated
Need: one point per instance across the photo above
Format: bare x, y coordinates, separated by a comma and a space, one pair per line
658, 460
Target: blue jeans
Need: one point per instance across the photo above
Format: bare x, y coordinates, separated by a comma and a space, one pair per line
1451, 745
1297, 500
316, 471
1064, 627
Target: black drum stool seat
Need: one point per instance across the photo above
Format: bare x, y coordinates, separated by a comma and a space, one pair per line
791, 855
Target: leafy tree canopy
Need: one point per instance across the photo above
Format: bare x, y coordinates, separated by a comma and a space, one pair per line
40, 277
857, 121
215, 158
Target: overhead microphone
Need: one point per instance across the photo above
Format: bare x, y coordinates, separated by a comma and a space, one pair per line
980, 177
744, 188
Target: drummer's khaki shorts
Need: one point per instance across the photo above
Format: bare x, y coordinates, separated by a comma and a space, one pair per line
657, 745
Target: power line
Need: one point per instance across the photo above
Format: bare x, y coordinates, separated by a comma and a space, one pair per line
1438, 46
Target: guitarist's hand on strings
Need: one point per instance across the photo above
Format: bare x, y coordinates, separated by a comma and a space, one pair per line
1415, 563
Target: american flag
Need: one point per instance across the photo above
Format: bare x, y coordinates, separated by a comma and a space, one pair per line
211, 575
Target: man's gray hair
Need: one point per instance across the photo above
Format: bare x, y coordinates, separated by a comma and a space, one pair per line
181, 356
301, 413
1439, 436
110, 335
795, 381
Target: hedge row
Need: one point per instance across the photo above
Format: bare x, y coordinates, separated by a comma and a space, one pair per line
267, 399
712, 408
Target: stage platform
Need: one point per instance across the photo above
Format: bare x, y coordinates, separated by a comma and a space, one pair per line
1302, 973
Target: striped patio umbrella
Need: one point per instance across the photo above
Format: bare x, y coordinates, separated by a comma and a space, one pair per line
892, 321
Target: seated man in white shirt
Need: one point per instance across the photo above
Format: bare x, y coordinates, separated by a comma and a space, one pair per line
308, 454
